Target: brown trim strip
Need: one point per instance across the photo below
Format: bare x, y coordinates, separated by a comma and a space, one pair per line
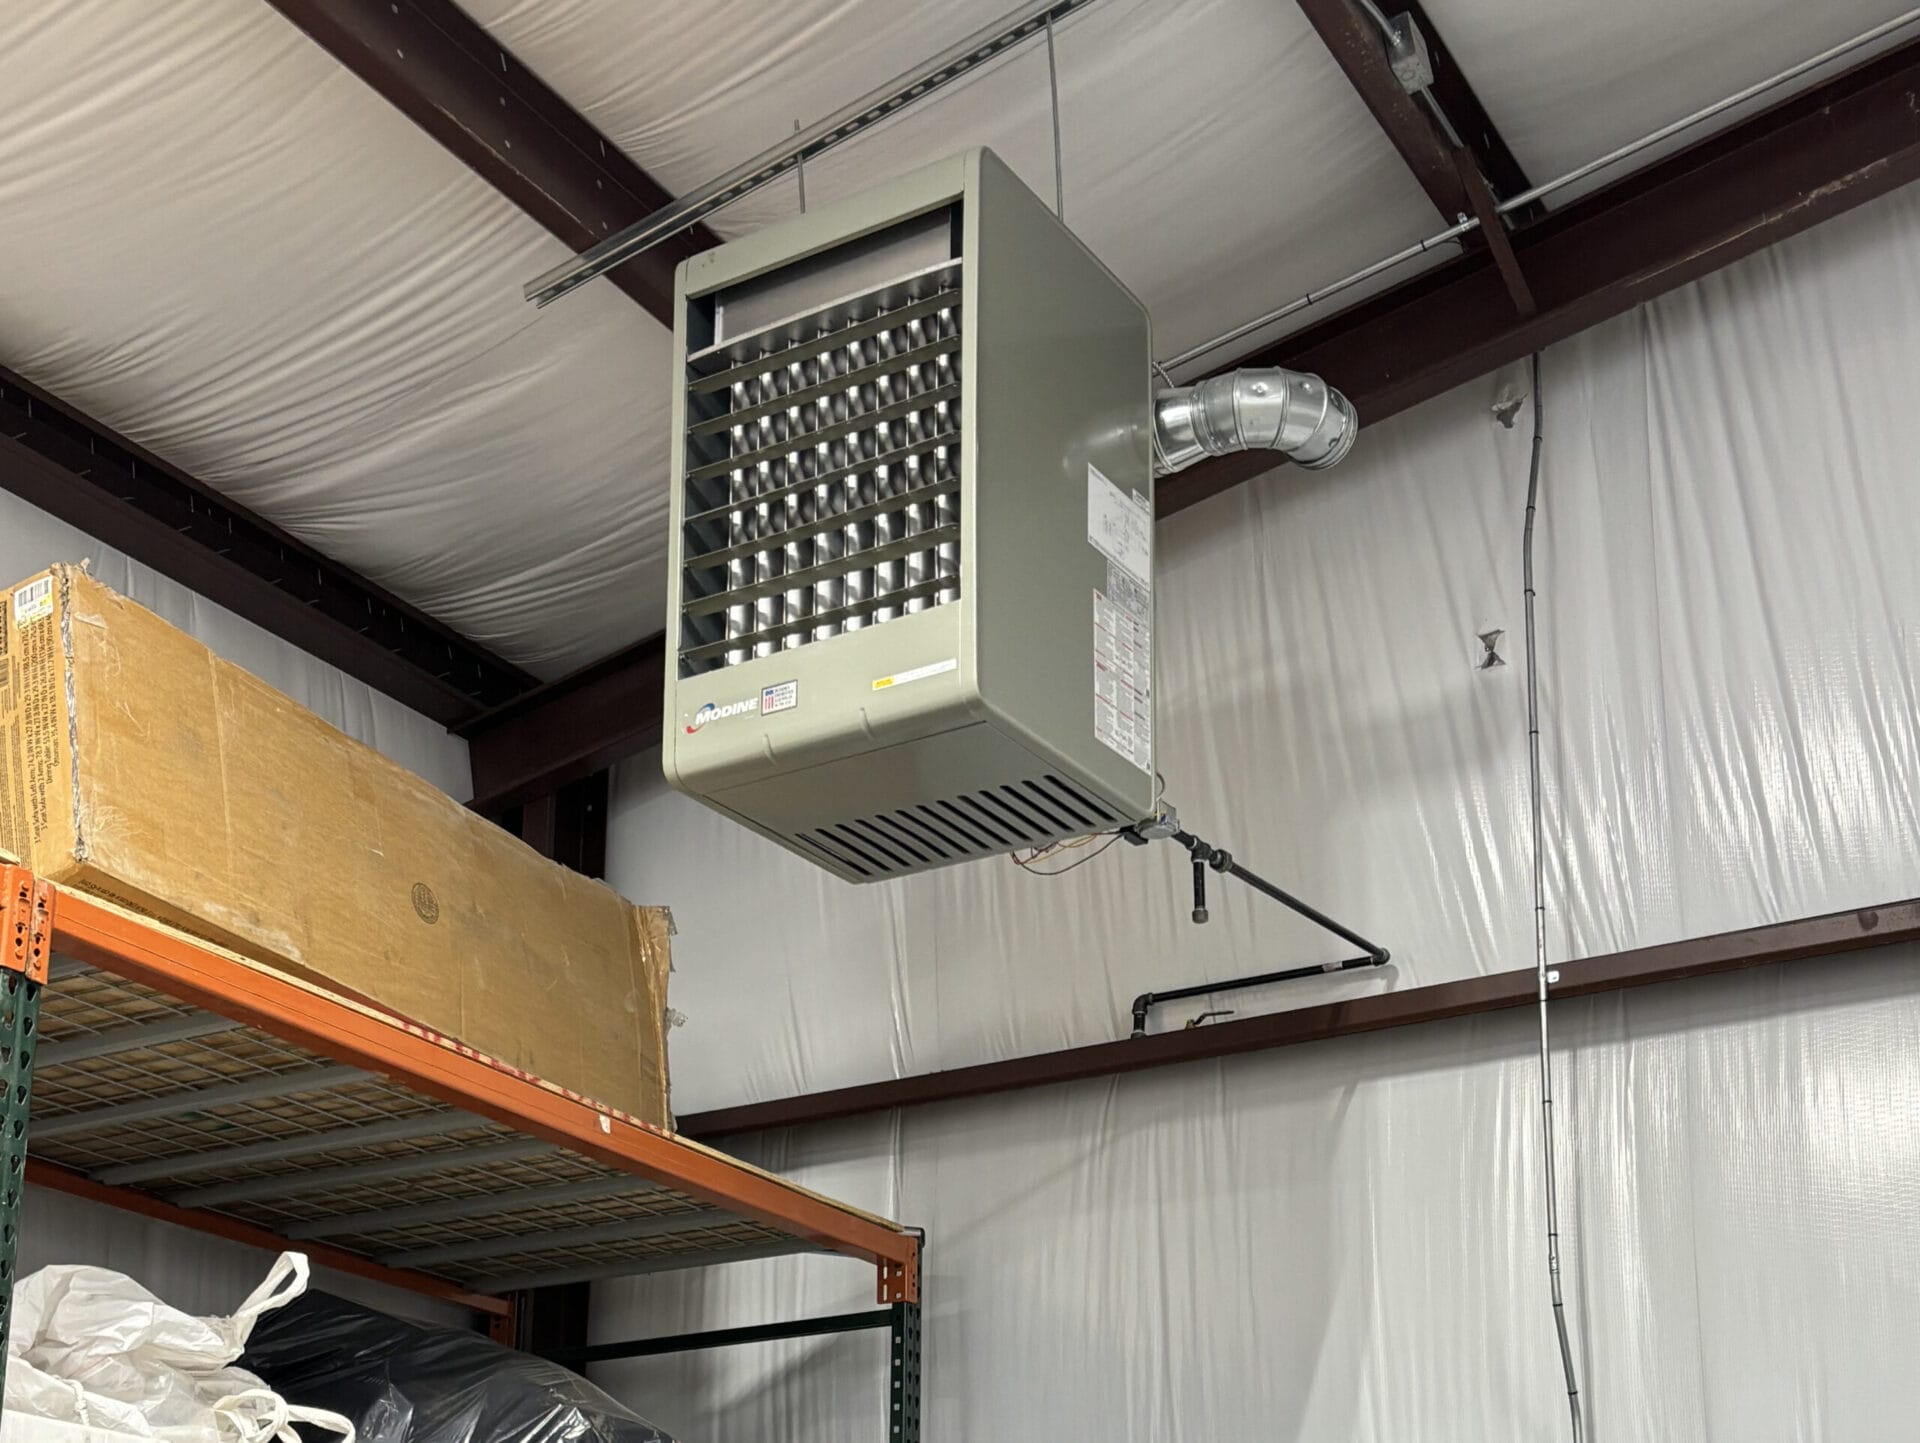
1669, 962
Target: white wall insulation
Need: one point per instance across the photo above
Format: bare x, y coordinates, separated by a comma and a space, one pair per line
1343, 1241
198, 1273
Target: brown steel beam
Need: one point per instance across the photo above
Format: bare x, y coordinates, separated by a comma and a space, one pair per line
1830, 935
1468, 116
568, 729
1775, 174
1359, 49
1493, 232
1847, 141
451, 78
61, 460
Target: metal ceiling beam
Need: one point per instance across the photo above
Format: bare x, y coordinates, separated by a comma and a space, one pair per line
451, 78
1837, 146
61, 460
1469, 117
1493, 232
568, 729
1359, 49
1817, 155
1824, 937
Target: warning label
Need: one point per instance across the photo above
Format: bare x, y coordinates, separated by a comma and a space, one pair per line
1123, 678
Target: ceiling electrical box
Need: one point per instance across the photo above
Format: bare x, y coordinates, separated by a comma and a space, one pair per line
911, 620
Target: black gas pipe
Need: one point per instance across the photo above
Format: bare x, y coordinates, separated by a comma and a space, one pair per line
1207, 857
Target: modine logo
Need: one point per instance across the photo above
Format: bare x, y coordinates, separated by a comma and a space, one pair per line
712, 713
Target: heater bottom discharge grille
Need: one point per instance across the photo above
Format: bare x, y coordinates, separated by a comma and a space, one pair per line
1029, 813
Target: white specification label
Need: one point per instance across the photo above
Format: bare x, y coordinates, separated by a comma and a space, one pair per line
1123, 681
1124, 591
1120, 526
781, 696
33, 601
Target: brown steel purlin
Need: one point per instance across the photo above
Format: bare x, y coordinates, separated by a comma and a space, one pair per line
177, 965
56, 457
1359, 49
568, 729
1828, 935
1469, 117
443, 71
50, 1175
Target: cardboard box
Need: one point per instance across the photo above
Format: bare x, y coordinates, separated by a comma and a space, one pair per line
137, 766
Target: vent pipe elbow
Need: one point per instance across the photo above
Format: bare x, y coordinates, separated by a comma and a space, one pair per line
1256, 409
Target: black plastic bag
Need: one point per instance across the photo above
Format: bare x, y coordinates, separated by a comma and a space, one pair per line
403, 1383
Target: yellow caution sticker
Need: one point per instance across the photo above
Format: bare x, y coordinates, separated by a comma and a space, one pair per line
919, 673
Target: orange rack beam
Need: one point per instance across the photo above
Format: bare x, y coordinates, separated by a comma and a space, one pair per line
193, 1006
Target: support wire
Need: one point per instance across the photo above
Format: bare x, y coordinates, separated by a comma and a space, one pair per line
1544, 978
1053, 87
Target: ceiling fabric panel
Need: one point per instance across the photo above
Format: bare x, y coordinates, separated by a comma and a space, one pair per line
1569, 80
224, 245
1215, 157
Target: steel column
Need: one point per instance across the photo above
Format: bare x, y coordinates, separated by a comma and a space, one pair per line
26, 947
903, 1374
19, 1016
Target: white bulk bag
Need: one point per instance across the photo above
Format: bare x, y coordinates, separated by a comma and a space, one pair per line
93, 1347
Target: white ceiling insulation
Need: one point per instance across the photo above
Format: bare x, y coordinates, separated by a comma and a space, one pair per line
1214, 156
1570, 80
224, 245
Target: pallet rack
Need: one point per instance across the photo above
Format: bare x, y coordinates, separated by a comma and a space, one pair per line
178, 1080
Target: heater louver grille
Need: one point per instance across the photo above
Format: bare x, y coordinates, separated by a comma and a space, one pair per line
974, 824
823, 474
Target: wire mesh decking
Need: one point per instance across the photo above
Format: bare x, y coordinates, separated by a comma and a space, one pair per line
184, 1081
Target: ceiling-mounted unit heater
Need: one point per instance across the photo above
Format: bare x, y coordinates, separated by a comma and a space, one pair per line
912, 555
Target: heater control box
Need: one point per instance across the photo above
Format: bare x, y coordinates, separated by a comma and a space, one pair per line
912, 610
